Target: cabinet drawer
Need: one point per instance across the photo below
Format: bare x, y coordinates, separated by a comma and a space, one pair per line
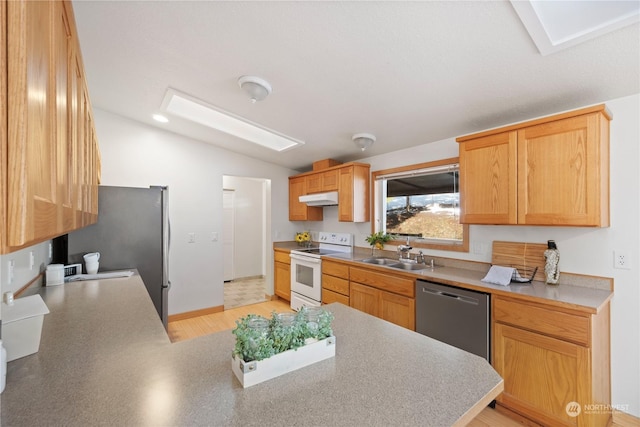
396, 284
335, 284
329, 296
335, 269
281, 257
547, 321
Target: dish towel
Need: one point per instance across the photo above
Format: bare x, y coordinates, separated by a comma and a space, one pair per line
499, 275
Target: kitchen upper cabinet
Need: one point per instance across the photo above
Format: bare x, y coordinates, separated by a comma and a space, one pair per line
322, 181
354, 193
549, 358
47, 130
300, 211
282, 274
488, 179
550, 171
351, 180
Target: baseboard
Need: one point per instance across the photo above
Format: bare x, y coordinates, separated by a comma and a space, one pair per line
195, 313
623, 419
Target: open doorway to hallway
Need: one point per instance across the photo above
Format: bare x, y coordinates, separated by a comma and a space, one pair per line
246, 225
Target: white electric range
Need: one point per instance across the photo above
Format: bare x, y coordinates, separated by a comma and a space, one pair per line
306, 267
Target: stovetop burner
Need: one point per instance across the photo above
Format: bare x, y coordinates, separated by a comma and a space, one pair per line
330, 243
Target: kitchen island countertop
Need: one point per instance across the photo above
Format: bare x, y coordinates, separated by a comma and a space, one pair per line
105, 359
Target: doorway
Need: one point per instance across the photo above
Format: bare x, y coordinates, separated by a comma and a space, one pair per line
245, 238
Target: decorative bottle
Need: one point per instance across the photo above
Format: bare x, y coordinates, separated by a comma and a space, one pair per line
552, 257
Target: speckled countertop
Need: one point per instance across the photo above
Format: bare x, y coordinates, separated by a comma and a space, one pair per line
586, 294
105, 359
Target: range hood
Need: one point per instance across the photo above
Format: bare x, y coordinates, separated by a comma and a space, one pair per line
320, 199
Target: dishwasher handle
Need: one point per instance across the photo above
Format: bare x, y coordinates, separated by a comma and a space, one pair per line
461, 298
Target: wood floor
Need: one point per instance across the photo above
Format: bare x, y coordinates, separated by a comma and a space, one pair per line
191, 328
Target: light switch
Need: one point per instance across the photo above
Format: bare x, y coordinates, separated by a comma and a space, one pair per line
214, 236
192, 237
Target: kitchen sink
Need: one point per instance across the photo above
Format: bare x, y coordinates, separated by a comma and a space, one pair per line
380, 261
394, 263
408, 266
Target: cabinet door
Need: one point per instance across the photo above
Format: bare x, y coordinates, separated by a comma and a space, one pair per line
353, 188
313, 183
300, 211
63, 111
488, 179
32, 174
563, 172
364, 298
282, 280
330, 180
329, 297
398, 309
3, 131
541, 375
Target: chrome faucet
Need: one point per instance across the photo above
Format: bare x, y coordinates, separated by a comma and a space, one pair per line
403, 250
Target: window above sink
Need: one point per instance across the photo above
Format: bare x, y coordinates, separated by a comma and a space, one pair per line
421, 202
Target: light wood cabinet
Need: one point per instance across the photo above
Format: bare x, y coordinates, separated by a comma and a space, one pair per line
300, 211
322, 181
282, 274
550, 358
353, 194
40, 144
351, 180
549, 171
388, 297
335, 282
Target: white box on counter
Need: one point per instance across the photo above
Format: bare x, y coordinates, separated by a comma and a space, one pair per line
22, 326
252, 373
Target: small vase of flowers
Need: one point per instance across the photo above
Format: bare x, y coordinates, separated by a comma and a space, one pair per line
303, 238
377, 240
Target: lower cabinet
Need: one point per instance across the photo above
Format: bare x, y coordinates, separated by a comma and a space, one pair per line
388, 297
335, 282
555, 364
282, 274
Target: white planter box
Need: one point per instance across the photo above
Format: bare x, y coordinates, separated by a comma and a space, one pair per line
251, 373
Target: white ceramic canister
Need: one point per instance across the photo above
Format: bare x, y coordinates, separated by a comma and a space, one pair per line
55, 274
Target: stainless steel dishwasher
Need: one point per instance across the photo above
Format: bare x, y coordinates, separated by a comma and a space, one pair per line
455, 316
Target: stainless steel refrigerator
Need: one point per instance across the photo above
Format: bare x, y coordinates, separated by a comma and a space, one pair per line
132, 232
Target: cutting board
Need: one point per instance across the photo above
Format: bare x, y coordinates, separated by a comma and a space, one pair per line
523, 256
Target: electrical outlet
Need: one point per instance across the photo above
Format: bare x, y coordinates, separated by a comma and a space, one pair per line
214, 236
192, 237
32, 260
621, 260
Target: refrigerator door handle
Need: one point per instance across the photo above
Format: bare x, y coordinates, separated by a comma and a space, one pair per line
168, 285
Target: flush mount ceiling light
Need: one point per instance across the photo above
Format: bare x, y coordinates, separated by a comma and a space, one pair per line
198, 111
363, 140
257, 88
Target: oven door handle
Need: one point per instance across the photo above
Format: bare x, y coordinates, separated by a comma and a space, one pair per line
305, 258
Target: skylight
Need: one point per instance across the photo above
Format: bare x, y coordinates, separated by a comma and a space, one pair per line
200, 112
557, 25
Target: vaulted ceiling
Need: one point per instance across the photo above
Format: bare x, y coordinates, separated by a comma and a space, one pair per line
408, 72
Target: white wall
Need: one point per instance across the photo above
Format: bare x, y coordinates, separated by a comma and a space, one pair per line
136, 155
582, 250
23, 272
249, 243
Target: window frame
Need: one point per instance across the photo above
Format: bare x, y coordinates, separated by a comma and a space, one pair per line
376, 206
